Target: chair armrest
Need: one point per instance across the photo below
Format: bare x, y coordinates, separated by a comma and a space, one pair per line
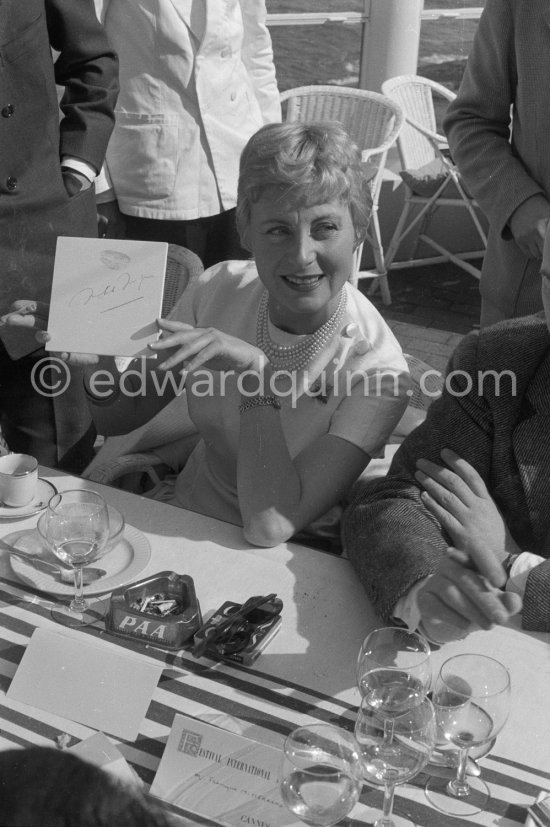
439, 141
111, 470
439, 89
367, 154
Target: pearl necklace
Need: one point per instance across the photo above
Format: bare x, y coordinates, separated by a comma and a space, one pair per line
297, 356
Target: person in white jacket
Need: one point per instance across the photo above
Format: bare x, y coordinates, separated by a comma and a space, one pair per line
197, 80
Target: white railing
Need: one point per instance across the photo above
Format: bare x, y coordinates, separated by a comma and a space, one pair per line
388, 46
352, 17
452, 14
316, 18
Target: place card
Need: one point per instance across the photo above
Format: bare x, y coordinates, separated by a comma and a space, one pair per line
106, 295
216, 774
100, 750
95, 684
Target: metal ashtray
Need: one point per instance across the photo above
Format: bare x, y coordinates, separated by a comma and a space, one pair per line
162, 610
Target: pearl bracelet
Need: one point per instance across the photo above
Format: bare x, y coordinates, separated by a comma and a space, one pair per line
258, 402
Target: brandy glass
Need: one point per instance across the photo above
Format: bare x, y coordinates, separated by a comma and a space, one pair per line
321, 774
393, 666
76, 527
395, 746
471, 699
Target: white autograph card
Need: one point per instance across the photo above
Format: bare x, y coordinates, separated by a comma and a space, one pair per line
106, 295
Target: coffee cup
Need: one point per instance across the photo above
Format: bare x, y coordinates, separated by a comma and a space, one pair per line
18, 479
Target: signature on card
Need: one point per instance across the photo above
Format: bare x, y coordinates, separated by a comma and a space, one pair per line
125, 288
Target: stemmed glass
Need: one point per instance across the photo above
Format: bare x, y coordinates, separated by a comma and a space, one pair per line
388, 761
321, 774
393, 668
471, 699
76, 527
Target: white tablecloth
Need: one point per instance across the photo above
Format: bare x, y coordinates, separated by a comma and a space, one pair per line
305, 674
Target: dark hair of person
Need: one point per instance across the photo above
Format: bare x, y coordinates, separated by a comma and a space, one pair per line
47, 787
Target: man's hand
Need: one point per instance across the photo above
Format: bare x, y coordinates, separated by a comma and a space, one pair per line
28, 313
74, 182
111, 222
33, 315
458, 498
528, 225
456, 599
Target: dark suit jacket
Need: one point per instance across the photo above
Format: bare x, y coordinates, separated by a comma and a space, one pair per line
503, 431
34, 206
509, 65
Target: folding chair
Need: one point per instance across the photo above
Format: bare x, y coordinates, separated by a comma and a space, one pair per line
431, 179
373, 122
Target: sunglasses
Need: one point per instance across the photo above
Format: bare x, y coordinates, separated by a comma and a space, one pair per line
235, 627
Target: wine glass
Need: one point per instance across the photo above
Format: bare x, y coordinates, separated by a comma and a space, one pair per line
388, 761
321, 774
76, 527
393, 668
471, 699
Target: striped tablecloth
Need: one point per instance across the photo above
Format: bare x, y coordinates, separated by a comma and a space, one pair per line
305, 675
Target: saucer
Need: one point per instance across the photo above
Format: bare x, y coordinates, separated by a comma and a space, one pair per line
122, 564
44, 492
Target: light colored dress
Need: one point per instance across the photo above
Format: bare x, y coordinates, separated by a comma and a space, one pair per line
357, 390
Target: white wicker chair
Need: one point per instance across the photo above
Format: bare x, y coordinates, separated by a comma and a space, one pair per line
373, 122
431, 179
182, 266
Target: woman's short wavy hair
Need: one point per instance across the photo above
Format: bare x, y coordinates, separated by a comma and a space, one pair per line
311, 163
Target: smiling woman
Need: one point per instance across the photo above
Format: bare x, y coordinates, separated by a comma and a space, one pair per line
304, 256
293, 379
